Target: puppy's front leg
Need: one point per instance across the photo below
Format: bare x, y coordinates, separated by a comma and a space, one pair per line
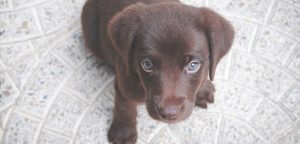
205, 94
123, 127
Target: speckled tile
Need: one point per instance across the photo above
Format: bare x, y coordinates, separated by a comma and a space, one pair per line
89, 79
254, 10
293, 2
146, 126
72, 49
198, 129
56, 14
294, 63
286, 18
292, 101
94, 126
49, 138
4, 115
260, 75
64, 114
18, 25
20, 130
237, 132
196, 3
244, 33
291, 138
39, 90
8, 91
163, 137
222, 68
21, 72
238, 101
17, 50
25, 3
1, 134
270, 121
4, 5
274, 46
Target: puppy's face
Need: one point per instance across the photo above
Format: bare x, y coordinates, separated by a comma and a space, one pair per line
172, 48
171, 66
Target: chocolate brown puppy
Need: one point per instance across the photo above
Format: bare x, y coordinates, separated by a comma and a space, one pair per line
163, 53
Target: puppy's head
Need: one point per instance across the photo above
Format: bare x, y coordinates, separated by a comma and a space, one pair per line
172, 48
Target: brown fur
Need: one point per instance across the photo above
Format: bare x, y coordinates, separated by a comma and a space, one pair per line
124, 32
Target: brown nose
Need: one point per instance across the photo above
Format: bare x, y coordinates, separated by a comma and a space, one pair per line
171, 111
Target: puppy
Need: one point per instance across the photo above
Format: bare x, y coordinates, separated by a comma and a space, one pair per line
163, 53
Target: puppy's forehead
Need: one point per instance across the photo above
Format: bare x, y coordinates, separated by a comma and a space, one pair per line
175, 42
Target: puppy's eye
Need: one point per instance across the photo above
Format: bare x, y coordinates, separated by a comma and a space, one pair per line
147, 65
193, 67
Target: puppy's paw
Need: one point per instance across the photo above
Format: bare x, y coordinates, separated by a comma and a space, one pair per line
122, 134
203, 98
205, 95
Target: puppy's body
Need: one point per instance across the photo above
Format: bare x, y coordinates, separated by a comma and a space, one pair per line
155, 47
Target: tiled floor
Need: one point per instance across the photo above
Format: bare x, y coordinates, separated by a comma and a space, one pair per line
52, 91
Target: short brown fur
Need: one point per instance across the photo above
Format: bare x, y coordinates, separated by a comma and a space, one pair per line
124, 32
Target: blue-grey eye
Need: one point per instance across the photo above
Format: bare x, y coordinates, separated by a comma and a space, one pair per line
147, 65
193, 67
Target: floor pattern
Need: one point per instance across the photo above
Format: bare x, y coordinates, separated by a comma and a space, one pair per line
52, 91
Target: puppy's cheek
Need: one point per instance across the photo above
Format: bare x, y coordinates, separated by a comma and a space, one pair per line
151, 109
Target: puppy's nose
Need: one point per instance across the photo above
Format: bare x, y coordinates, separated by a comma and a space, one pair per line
170, 112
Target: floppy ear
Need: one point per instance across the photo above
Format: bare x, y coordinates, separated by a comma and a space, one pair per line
220, 36
122, 30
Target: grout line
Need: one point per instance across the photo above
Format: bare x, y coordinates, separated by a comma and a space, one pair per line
220, 131
38, 21
55, 97
77, 126
270, 12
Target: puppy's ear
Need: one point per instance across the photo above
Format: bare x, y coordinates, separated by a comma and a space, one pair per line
220, 36
122, 30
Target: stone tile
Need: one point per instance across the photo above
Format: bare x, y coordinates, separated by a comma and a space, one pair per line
294, 63
293, 2
65, 114
18, 25
95, 124
1, 134
89, 79
4, 5
274, 46
196, 3
163, 137
72, 49
20, 129
8, 91
291, 138
222, 68
244, 33
146, 126
16, 50
286, 18
45, 43
292, 100
254, 10
270, 121
238, 101
40, 88
236, 132
49, 138
260, 75
4, 115
25, 3
21, 72
204, 127
57, 14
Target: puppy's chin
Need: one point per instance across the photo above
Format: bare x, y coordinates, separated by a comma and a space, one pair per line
153, 112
